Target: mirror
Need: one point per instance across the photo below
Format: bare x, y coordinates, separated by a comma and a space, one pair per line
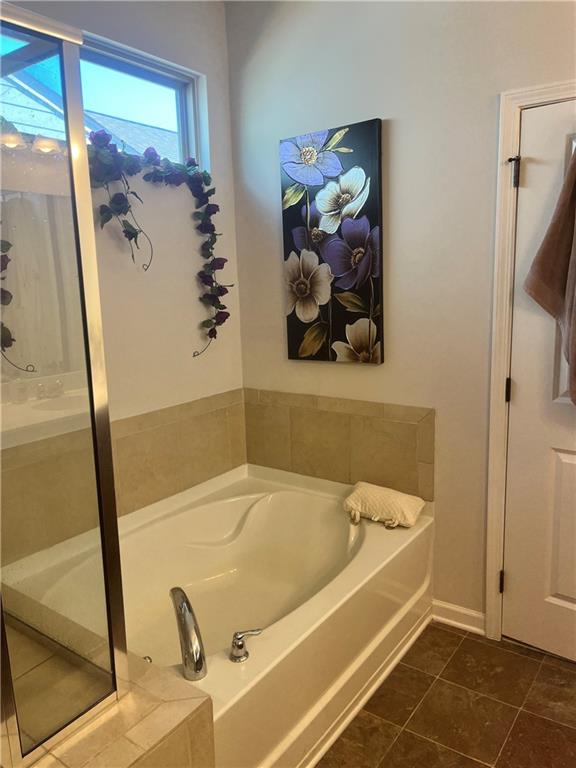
53, 587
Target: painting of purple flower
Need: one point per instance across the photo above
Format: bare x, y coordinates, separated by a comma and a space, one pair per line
332, 230
355, 256
310, 235
306, 160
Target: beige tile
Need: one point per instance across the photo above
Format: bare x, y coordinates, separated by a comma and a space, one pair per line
200, 728
50, 447
172, 752
425, 439
148, 467
388, 411
320, 443
268, 435
76, 750
55, 692
288, 398
48, 500
49, 761
203, 447
426, 481
175, 413
236, 423
189, 745
160, 722
251, 395
25, 652
384, 452
121, 753
165, 684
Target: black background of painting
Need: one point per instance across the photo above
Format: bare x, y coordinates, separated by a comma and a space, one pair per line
365, 139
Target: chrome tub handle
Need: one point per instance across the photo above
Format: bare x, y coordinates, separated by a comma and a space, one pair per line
238, 650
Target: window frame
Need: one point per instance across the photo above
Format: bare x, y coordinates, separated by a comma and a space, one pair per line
183, 81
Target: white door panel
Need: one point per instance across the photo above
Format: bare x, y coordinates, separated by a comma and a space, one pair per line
539, 605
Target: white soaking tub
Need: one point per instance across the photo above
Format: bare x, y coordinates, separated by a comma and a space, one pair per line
255, 548
259, 548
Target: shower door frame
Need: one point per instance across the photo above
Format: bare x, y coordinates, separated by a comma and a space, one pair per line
71, 39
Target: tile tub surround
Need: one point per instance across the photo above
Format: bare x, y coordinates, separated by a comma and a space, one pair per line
342, 439
160, 722
163, 452
457, 700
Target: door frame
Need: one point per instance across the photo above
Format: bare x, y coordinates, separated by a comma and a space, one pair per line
511, 105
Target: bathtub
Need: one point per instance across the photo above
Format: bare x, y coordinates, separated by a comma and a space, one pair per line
262, 549
265, 549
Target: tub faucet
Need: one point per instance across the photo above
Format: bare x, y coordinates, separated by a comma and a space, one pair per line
191, 645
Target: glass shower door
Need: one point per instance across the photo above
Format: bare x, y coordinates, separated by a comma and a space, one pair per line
54, 586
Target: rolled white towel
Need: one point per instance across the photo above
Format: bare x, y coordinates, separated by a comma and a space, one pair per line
383, 505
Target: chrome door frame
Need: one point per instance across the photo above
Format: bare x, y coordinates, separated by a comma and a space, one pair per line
71, 40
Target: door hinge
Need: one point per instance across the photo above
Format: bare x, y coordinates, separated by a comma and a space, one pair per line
508, 389
501, 582
516, 170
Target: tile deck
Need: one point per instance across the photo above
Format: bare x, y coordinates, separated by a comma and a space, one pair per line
457, 700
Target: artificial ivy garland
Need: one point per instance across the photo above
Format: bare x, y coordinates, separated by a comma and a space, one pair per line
6, 338
110, 165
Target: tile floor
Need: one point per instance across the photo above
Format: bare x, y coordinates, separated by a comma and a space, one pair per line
50, 689
458, 700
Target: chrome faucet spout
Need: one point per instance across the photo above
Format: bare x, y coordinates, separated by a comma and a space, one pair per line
191, 645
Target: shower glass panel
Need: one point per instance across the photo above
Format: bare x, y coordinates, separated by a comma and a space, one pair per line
53, 588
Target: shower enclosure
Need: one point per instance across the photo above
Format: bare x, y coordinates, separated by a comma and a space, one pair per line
63, 639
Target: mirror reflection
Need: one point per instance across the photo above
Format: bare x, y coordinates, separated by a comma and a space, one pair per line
53, 593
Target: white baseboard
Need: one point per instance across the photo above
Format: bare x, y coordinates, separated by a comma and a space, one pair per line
458, 616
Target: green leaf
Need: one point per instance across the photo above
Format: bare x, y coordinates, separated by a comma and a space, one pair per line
337, 138
5, 297
352, 302
106, 215
313, 340
207, 323
5, 246
377, 311
136, 195
342, 149
293, 195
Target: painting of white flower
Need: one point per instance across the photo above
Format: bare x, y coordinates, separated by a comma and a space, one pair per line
342, 198
307, 285
362, 346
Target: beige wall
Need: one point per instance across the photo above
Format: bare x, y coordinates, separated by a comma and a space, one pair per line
433, 72
150, 319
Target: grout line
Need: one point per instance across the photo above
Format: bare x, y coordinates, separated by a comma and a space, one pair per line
417, 707
450, 749
481, 639
518, 713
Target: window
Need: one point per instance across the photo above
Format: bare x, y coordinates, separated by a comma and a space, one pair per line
30, 89
141, 106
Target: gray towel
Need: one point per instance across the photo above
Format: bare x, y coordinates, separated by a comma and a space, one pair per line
551, 281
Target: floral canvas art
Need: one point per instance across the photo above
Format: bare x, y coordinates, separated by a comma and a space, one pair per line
332, 222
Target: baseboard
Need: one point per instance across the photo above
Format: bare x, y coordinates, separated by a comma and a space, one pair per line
458, 616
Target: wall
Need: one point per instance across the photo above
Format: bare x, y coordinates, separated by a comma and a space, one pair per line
150, 319
433, 72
